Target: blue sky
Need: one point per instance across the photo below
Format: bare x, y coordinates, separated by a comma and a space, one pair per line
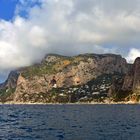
7, 9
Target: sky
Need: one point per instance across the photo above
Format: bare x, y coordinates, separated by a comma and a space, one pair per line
29, 29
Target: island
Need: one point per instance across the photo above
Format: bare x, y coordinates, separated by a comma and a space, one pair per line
85, 78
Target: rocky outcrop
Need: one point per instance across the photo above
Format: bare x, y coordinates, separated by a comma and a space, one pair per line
79, 77
132, 79
129, 86
11, 81
136, 82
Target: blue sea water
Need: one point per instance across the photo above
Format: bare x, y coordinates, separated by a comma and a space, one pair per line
69, 122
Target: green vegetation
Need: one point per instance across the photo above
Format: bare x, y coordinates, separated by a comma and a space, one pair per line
121, 95
53, 67
38, 71
105, 79
6, 93
47, 67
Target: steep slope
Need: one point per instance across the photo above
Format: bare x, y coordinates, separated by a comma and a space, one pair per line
132, 81
128, 89
79, 78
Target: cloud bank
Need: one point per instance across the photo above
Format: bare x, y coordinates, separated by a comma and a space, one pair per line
69, 27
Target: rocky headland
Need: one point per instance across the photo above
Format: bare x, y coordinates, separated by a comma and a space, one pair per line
86, 78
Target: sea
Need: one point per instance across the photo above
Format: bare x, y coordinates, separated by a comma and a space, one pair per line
70, 122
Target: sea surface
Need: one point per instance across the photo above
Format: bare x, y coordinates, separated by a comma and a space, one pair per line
69, 122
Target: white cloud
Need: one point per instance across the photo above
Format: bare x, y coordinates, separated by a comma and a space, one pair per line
37, 36
133, 54
69, 27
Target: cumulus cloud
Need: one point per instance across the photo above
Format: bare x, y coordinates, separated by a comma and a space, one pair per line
133, 54
69, 27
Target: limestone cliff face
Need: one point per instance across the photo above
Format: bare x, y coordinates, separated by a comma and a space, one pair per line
11, 81
128, 81
136, 83
128, 88
33, 83
132, 79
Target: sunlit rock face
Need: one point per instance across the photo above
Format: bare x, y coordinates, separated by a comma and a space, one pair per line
91, 73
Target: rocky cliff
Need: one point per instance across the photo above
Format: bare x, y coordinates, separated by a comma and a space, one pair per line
128, 88
81, 78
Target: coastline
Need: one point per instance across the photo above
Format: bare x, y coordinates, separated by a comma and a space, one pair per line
77, 103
